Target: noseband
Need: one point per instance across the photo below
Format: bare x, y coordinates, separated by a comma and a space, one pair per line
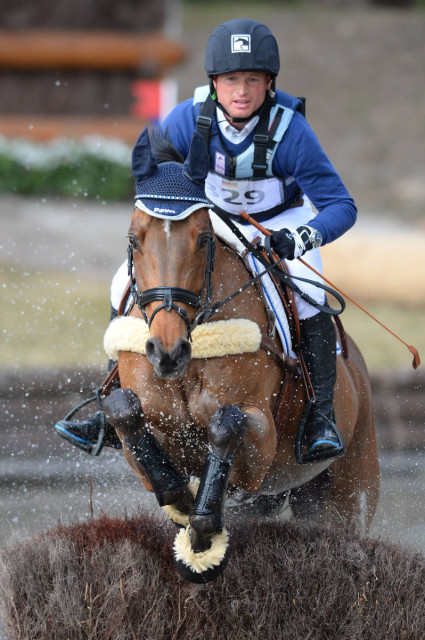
170, 295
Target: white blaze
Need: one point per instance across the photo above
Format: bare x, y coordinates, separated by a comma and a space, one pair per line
166, 225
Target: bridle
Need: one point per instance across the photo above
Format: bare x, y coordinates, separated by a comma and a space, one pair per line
170, 295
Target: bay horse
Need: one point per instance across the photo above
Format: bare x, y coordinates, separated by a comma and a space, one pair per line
210, 417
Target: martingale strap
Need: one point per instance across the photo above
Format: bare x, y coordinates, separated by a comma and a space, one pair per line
284, 277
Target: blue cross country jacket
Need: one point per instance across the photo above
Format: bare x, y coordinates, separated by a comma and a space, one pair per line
298, 155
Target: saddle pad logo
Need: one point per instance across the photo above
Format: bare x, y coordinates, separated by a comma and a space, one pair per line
241, 43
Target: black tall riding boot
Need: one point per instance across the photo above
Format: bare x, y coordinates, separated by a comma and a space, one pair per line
92, 434
318, 348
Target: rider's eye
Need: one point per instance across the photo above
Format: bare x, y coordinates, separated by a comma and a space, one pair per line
203, 240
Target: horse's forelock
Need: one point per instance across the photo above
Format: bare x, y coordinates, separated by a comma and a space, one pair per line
162, 149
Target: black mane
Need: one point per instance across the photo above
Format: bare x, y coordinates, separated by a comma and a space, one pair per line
162, 149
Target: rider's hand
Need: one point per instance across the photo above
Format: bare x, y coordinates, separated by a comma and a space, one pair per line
292, 244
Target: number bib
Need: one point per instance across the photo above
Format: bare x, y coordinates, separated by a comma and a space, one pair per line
253, 195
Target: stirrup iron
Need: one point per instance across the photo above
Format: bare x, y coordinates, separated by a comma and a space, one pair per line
93, 450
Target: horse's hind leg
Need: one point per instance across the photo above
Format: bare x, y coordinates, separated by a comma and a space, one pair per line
307, 500
345, 494
124, 411
225, 433
354, 485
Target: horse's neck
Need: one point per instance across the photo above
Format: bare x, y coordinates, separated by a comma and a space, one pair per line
231, 273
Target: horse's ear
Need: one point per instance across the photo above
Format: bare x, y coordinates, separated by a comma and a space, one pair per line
196, 164
143, 164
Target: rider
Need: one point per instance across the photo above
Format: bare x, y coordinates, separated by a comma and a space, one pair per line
266, 160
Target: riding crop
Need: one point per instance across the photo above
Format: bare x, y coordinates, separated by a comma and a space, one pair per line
416, 359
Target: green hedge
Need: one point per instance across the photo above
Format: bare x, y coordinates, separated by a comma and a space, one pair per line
92, 168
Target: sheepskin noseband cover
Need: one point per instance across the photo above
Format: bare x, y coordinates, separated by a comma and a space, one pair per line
210, 340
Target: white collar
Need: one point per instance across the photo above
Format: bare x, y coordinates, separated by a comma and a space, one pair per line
229, 131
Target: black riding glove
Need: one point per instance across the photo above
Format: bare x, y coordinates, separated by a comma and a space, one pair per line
292, 244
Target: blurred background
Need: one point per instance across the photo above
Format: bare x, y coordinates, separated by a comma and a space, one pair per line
79, 81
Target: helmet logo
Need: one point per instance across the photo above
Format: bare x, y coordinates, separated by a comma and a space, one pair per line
241, 43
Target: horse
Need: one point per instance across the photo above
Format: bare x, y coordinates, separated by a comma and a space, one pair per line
199, 429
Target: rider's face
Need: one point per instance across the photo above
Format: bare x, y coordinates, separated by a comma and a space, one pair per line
242, 92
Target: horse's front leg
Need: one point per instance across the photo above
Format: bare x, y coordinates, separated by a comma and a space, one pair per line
201, 550
124, 411
226, 431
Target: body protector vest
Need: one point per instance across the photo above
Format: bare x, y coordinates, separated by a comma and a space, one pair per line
246, 182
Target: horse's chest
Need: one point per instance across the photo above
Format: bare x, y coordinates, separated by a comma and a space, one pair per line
174, 407
180, 424
165, 410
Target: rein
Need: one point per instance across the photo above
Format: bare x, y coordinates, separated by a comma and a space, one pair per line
285, 278
201, 301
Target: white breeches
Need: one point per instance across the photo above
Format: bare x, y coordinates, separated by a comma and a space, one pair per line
290, 219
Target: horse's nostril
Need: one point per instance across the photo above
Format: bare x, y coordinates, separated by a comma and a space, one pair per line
149, 348
183, 352
153, 350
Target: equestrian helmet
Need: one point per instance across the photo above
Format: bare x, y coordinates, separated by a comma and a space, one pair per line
242, 45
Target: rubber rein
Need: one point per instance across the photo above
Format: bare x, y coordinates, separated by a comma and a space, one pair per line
201, 301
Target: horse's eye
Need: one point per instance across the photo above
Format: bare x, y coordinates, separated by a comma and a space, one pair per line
203, 240
132, 241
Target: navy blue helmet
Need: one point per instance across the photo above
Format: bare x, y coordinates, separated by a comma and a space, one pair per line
242, 45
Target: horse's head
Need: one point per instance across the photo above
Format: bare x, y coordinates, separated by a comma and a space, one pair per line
171, 248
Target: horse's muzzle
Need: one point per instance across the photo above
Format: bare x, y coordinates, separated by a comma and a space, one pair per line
168, 365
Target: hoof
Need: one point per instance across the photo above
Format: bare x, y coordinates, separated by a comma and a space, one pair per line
203, 567
178, 517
